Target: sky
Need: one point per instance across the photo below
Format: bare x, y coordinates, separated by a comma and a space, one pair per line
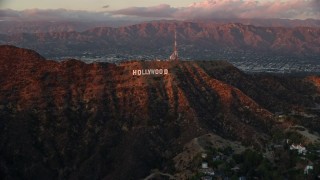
89, 5
99, 10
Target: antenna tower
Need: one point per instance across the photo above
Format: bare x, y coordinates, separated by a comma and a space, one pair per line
174, 56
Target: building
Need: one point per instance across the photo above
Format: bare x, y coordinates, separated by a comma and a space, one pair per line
174, 56
204, 155
204, 165
299, 148
206, 178
307, 169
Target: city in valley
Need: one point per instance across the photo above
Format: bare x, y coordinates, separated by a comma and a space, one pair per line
251, 62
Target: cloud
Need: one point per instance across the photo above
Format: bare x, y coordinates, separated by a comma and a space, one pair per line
9, 13
208, 9
162, 10
291, 9
53, 15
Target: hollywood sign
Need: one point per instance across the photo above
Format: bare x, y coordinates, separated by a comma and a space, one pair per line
144, 72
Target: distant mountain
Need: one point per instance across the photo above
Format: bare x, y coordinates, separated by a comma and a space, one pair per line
72, 120
266, 22
14, 27
157, 38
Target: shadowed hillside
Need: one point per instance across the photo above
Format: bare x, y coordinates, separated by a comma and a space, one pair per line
72, 120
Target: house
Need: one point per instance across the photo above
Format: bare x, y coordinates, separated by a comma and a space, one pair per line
236, 168
204, 165
208, 172
307, 169
206, 178
299, 148
204, 155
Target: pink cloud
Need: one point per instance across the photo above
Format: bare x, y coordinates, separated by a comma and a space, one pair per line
231, 9
68, 15
53, 15
162, 10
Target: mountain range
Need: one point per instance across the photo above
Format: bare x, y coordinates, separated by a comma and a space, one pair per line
71, 120
14, 27
289, 23
157, 38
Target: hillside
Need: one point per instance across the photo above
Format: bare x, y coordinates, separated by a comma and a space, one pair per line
71, 120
